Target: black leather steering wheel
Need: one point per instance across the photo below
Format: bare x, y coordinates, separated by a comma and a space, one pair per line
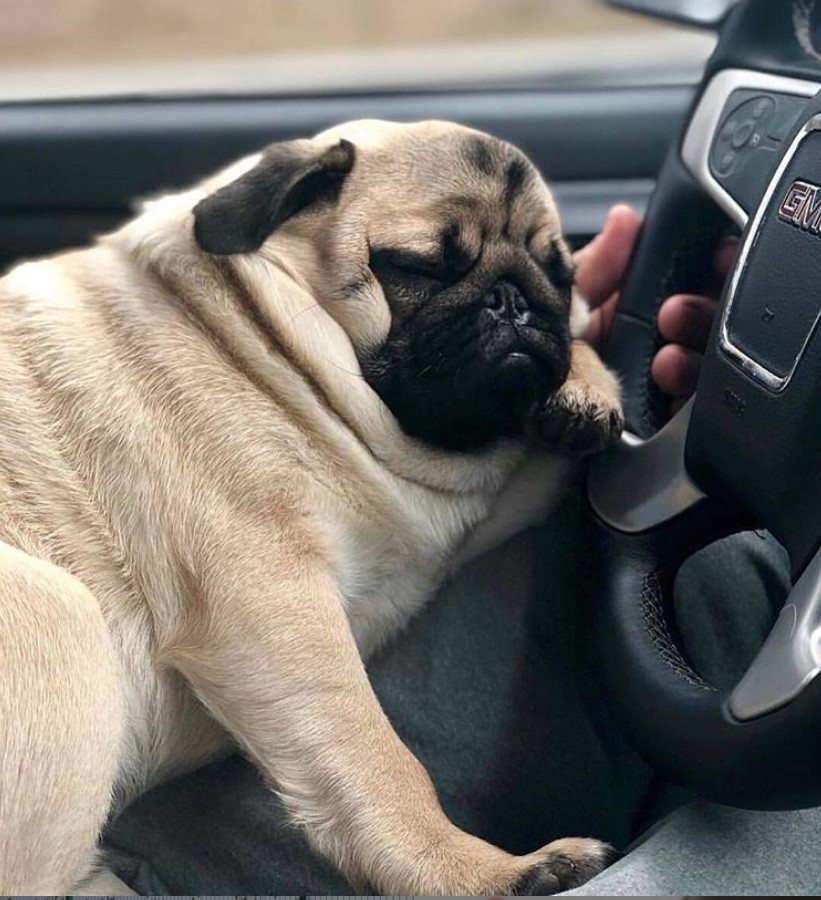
746, 451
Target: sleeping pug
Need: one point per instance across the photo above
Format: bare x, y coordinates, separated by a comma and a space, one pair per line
242, 440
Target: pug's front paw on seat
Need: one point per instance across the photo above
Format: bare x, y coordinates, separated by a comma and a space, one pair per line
563, 865
579, 419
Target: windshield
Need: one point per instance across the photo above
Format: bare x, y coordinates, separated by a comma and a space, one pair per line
60, 48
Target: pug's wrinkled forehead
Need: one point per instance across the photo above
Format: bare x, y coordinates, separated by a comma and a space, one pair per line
428, 186
423, 182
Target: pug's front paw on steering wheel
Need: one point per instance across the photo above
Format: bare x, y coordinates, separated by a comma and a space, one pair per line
578, 420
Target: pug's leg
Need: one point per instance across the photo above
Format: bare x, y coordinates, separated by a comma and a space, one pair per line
273, 658
60, 726
585, 414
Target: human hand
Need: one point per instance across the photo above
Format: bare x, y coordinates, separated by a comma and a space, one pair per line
683, 319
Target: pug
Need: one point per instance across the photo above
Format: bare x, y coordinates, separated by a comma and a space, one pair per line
242, 440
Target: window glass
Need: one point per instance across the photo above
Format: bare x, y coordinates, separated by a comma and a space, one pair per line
64, 47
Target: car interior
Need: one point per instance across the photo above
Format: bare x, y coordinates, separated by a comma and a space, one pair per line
642, 666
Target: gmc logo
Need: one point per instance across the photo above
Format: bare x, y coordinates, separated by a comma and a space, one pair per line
801, 206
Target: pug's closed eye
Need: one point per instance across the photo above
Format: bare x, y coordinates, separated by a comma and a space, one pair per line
410, 264
447, 265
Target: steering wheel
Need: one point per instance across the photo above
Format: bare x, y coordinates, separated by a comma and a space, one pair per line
746, 450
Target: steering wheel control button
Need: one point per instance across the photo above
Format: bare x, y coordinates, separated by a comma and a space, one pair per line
742, 134
749, 140
728, 130
763, 107
725, 165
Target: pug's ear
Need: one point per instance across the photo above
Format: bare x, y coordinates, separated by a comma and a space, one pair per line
290, 177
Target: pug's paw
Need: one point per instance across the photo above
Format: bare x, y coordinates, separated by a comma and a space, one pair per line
563, 865
578, 420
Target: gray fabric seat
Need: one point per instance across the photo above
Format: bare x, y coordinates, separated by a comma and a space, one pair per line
703, 850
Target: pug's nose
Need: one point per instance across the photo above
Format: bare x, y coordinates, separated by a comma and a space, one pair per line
506, 302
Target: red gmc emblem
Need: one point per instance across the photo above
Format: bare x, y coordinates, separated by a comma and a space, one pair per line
801, 206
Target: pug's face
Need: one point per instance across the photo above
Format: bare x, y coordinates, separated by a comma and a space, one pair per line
437, 249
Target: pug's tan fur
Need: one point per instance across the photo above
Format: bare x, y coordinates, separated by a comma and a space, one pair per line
208, 519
